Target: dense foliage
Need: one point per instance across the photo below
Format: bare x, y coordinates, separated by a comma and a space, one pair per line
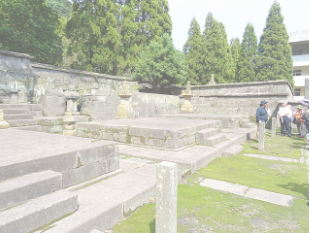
29, 27
235, 54
274, 52
246, 62
63, 7
160, 64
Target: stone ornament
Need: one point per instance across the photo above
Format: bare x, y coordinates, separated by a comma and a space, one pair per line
187, 94
212, 82
3, 124
124, 109
71, 97
69, 123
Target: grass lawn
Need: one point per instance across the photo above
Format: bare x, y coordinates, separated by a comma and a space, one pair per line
202, 209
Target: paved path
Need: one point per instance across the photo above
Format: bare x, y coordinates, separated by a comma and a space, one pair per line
270, 157
248, 192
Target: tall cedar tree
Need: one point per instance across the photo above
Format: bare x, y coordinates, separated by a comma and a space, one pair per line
29, 27
129, 50
246, 63
164, 19
228, 58
275, 56
194, 55
161, 64
215, 51
63, 7
92, 30
235, 55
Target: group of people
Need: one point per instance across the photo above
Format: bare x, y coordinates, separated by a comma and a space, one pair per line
287, 117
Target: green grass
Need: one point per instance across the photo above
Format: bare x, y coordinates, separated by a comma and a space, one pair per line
202, 209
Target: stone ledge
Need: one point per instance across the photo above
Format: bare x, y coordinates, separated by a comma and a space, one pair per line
15, 54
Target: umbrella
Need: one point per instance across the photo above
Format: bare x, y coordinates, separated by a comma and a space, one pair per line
305, 102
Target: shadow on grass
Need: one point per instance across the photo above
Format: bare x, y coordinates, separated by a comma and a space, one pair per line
152, 226
298, 188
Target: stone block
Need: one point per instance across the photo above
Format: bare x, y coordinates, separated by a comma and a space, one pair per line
155, 143
174, 144
234, 150
50, 121
24, 188
23, 122
147, 132
69, 132
53, 129
166, 197
214, 140
38, 212
202, 134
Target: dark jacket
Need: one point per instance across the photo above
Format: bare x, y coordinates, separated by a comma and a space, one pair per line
261, 114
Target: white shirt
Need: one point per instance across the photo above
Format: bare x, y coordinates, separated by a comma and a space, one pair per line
285, 111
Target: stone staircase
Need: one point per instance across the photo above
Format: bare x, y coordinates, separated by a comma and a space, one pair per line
21, 114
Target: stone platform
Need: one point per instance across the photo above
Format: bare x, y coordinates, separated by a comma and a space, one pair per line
163, 133
77, 159
226, 121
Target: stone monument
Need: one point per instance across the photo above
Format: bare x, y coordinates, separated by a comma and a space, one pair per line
124, 109
69, 123
187, 94
273, 126
14, 95
212, 82
166, 197
261, 139
71, 97
3, 124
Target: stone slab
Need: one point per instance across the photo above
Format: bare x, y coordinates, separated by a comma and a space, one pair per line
213, 140
38, 212
234, 150
9, 117
202, 134
23, 122
24, 188
249, 192
270, 157
95, 231
37, 128
24, 152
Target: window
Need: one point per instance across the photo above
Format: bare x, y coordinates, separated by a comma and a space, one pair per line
297, 73
296, 52
297, 91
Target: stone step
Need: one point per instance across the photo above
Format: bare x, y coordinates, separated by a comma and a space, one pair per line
249, 125
24, 188
38, 212
206, 133
8, 117
244, 121
23, 122
30, 107
234, 150
81, 118
15, 111
213, 140
37, 128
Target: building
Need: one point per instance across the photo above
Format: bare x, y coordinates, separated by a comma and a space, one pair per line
299, 41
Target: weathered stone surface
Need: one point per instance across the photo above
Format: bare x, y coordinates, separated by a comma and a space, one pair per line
270, 157
15, 191
166, 197
37, 212
261, 139
234, 150
213, 140
273, 126
69, 132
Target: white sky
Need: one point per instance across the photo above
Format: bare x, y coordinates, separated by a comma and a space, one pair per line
235, 14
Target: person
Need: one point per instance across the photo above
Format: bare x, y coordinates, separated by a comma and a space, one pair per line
298, 120
261, 115
305, 117
284, 114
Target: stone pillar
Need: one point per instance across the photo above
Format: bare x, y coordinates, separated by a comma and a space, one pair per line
71, 97
3, 124
187, 94
307, 88
261, 140
166, 197
212, 82
69, 123
125, 110
273, 126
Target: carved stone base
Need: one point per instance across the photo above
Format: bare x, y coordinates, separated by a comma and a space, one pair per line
124, 110
69, 132
187, 106
4, 125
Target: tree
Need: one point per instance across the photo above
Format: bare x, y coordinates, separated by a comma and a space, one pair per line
246, 63
63, 7
215, 52
274, 52
235, 55
160, 64
228, 58
29, 27
92, 30
129, 50
164, 19
194, 56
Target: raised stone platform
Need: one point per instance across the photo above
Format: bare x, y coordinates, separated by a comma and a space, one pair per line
226, 121
163, 133
77, 159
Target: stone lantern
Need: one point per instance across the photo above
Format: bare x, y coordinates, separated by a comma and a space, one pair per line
69, 123
3, 124
14, 96
71, 97
124, 110
187, 94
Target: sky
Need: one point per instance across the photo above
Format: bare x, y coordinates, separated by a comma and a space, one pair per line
235, 15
